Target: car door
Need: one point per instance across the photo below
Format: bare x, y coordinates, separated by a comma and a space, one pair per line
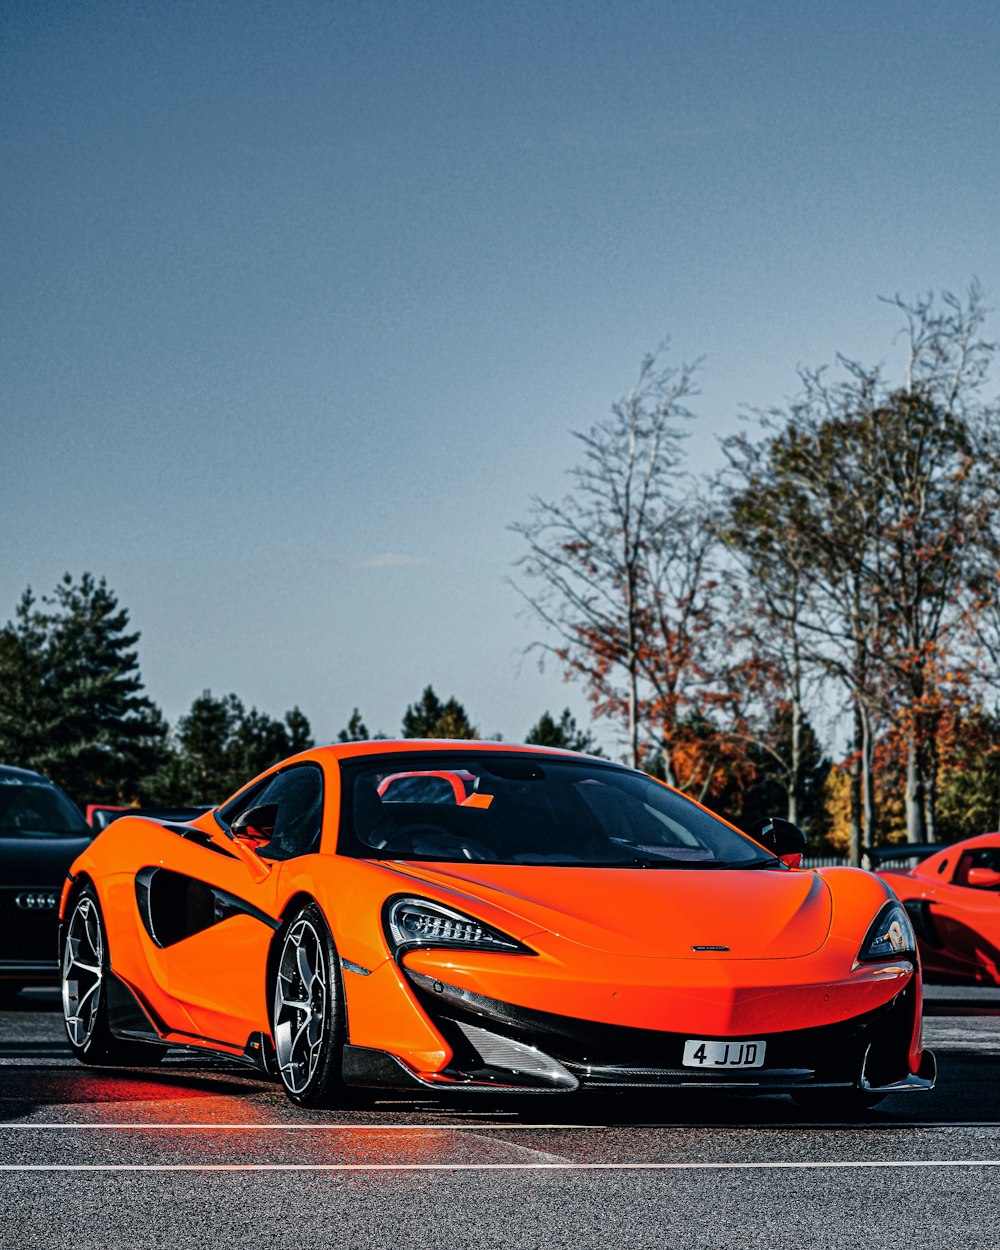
210, 911
967, 917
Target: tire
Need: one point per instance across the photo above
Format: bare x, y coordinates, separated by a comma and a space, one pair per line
85, 965
307, 1012
837, 1104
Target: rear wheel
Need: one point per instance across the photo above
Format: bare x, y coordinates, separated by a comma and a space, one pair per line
85, 965
307, 1018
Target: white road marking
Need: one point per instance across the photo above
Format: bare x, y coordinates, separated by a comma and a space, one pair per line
472, 1126
497, 1167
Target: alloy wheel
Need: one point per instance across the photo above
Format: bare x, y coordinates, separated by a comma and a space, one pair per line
82, 971
300, 1005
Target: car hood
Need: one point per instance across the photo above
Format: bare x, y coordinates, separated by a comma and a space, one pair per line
660, 913
36, 859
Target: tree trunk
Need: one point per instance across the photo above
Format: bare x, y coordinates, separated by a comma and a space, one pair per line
795, 766
633, 668
868, 778
914, 797
633, 715
930, 787
855, 849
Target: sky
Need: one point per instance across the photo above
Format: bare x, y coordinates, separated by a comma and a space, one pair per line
300, 303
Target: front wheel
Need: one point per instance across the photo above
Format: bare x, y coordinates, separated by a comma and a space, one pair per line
307, 1018
85, 965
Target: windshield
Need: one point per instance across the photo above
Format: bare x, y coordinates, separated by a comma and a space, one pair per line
529, 809
37, 808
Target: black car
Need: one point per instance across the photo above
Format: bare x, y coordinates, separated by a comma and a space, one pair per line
41, 832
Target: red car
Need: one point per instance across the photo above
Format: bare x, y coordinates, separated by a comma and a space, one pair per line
953, 899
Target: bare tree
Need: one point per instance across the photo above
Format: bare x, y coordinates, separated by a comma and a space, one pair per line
586, 562
677, 651
767, 603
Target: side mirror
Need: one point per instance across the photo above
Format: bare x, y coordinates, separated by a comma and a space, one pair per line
257, 867
781, 838
256, 824
983, 878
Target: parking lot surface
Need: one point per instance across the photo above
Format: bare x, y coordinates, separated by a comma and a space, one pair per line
203, 1153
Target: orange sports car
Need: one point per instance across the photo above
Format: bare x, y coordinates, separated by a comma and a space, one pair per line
476, 916
953, 899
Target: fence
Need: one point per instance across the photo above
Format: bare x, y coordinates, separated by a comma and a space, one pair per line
903, 855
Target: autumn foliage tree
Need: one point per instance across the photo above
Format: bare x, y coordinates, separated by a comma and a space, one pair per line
845, 563
886, 495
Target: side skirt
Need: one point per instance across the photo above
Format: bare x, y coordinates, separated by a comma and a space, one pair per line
134, 1020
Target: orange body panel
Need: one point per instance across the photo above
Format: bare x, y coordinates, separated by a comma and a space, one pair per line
382, 1013
678, 996
610, 946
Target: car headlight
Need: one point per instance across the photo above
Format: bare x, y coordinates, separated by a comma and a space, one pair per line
890, 935
419, 922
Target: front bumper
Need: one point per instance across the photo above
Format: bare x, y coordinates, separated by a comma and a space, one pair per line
497, 1045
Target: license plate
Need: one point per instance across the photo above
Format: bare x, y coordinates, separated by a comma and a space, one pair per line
723, 1054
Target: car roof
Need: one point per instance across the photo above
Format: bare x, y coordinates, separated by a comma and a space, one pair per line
24, 776
372, 748
931, 865
401, 746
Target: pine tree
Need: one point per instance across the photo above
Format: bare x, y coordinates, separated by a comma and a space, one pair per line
355, 730
25, 690
562, 733
298, 731
71, 704
430, 718
767, 793
219, 746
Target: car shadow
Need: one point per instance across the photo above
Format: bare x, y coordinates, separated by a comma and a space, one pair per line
32, 1001
203, 1086
968, 1092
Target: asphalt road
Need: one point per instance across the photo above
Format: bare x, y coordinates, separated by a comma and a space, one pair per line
203, 1154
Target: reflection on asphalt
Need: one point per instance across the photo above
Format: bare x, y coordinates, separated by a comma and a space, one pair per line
40, 1082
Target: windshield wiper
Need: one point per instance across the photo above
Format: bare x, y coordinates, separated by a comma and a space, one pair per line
649, 861
645, 861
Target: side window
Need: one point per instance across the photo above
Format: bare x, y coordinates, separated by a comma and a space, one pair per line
979, 869
961, 876
297, 793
